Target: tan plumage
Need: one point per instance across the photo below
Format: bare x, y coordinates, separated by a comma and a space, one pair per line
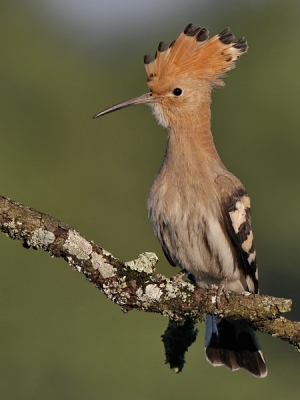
207, 59
200, 211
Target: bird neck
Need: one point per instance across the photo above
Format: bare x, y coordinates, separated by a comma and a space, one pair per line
190, 144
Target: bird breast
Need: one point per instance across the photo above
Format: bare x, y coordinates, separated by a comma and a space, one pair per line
185, 221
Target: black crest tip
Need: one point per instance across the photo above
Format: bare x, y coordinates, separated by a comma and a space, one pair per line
190, 30
241, 44
162, 46
202, 35
147, 59
224, 32
226, 37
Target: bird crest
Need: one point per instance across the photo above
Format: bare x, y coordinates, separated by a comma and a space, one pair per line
194, 55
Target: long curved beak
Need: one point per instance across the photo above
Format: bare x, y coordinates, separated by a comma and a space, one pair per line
146, 98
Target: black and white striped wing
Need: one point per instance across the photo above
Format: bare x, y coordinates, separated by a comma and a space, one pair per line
236, 211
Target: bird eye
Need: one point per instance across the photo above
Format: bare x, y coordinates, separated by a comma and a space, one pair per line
177, 92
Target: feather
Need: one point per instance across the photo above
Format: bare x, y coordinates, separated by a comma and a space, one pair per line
200, 212
236, 216
193, 53
233, 343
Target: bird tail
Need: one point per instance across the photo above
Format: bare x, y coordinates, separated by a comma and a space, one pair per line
233, 343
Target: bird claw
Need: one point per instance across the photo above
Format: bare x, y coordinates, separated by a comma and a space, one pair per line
178, 277
219, 290
161, 277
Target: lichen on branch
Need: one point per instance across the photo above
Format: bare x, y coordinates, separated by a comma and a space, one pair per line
135, 284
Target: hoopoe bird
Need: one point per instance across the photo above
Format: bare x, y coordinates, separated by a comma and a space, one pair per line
199, 210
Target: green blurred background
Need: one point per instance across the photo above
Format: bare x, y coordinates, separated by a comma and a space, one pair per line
60, 64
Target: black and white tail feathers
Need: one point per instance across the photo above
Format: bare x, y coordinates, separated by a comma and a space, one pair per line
233, 343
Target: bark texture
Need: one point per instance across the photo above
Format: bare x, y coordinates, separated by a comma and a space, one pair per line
134, 284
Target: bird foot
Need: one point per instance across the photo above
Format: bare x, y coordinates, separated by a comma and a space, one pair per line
219, 290
178, 277
161, 277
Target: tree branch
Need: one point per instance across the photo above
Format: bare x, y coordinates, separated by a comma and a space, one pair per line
134, 284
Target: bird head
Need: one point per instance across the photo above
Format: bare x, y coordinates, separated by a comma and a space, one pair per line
182, 74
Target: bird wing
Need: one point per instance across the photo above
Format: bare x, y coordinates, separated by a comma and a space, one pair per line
236, 218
